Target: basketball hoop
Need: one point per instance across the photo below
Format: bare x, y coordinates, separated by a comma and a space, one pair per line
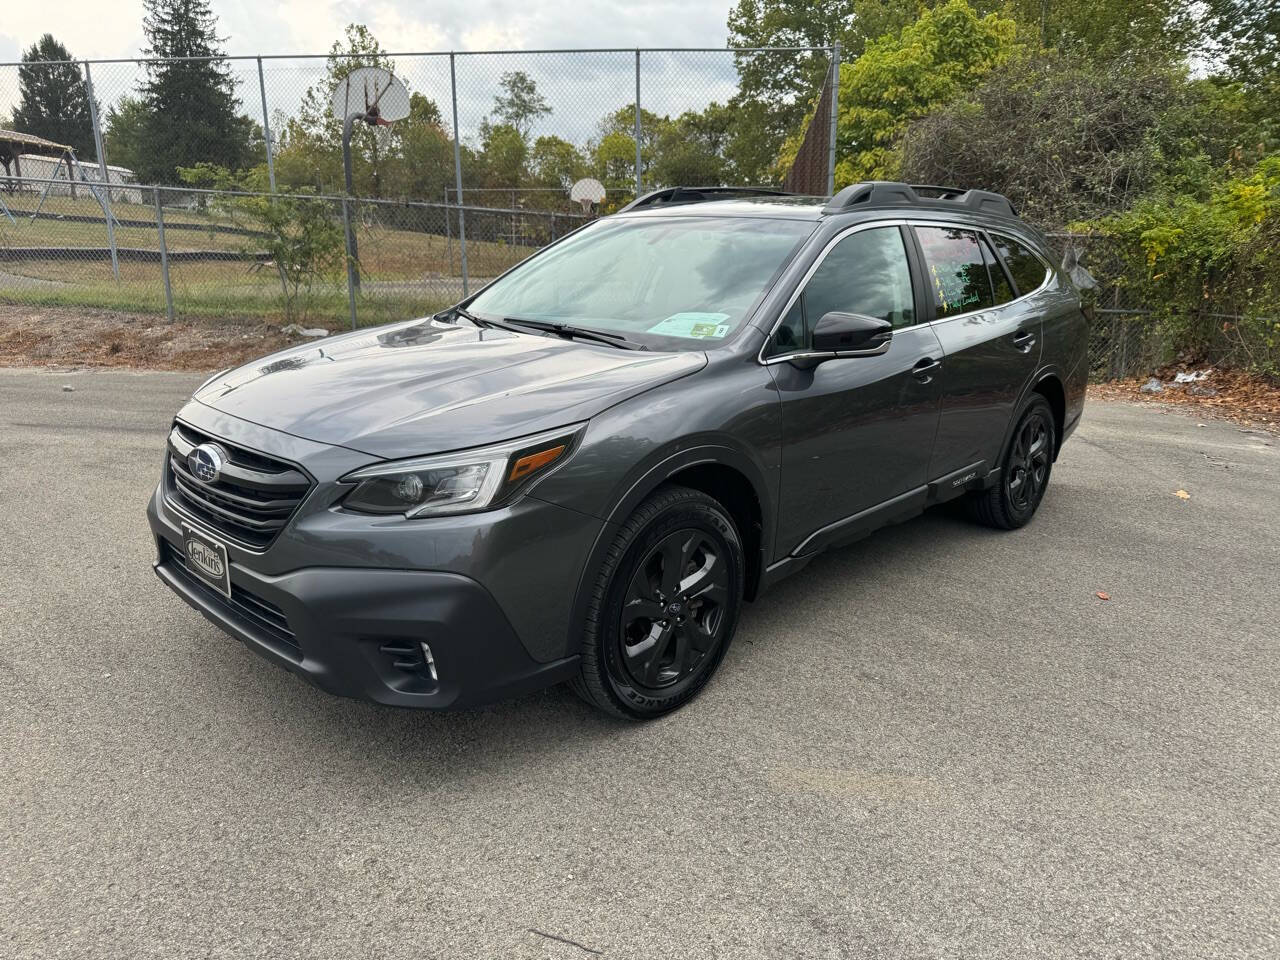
587, 192
374, 96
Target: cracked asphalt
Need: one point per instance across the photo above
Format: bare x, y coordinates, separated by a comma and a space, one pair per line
938, 742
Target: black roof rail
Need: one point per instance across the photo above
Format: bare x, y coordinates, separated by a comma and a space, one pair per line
886, 193
670, 196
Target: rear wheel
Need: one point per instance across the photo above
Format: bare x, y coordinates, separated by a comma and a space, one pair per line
1024, 471
664, 607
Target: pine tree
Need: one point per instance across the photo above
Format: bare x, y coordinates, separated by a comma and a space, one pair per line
191, 104
53, 101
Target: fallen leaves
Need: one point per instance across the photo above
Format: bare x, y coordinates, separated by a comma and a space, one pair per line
1233, 394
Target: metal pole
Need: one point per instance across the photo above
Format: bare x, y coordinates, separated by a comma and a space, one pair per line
351, 272
164, 255
638, 122
102, 169
457, 173
353, 254
266, 129
448, 230
835, 100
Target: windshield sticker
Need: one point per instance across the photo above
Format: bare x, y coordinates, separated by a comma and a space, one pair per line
696, 326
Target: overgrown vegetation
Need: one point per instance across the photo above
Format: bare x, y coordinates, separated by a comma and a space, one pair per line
1201, 262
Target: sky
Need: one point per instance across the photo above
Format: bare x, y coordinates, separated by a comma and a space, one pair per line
581, 89
112, 28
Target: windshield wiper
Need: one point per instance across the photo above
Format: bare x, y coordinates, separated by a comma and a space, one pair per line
466, 314
569, 331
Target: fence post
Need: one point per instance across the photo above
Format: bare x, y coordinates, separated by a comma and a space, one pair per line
457, 173
266, 129
351, 267
835, 98
164, 255
448, 230
102, 170
638, 123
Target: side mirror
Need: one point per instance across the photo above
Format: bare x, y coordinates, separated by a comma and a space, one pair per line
844, 333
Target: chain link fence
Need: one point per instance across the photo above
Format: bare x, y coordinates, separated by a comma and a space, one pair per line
474, 180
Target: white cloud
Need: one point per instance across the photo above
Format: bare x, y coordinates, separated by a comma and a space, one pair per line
581, 88
113, 28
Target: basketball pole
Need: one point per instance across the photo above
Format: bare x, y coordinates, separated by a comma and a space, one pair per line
353, 273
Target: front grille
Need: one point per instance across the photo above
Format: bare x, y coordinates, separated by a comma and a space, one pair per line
250, 502
263, 614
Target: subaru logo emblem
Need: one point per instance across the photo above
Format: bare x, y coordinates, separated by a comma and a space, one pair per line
206, 462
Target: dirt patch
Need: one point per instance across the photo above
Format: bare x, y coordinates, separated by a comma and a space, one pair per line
1225, 394
70, 337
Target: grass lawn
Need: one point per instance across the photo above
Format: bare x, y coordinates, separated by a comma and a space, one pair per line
405, 272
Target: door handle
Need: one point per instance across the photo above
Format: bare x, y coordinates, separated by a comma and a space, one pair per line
925, 369
1024, 340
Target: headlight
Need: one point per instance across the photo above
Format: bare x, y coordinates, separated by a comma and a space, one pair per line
465, 482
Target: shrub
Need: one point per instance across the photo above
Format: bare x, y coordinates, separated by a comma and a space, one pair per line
1196, 263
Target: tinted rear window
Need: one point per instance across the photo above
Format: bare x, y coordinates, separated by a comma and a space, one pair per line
1028, 269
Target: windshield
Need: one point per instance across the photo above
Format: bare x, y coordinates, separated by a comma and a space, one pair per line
669, 283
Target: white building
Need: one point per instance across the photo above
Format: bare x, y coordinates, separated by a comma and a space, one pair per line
36, 167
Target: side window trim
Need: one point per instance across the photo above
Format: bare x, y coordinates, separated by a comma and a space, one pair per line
989, 239
762, 355
920, 294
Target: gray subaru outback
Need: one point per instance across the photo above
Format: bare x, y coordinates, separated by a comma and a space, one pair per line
581, 472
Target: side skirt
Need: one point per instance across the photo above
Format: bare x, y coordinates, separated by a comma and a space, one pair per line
975, 476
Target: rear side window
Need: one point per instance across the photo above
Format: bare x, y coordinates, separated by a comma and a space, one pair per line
1028, 269
957, 273
865, 273
999, 282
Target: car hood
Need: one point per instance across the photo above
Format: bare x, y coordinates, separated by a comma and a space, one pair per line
426, 386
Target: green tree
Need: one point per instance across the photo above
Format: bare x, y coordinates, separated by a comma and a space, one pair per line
1067, 139
902, 77
556, 163
1244, 36
125, 132
192, 109
519, 104
692, 148
504, 154
425, 161
52, 99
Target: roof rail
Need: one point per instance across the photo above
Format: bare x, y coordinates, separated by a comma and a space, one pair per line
886, 193
670, 196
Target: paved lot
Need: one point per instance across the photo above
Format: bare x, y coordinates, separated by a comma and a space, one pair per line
936, 743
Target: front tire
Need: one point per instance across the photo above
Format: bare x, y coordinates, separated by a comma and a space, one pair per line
1024, 470
664, 607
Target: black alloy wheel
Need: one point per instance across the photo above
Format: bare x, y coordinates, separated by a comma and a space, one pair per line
664, 607
674, 610
1024, 470
1027, 471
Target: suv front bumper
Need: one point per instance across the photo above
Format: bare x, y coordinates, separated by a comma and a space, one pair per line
357, 631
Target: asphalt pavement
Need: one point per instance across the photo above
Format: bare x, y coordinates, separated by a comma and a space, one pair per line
939, 742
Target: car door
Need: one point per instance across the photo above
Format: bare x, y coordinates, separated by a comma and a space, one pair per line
857, 431
990, 341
